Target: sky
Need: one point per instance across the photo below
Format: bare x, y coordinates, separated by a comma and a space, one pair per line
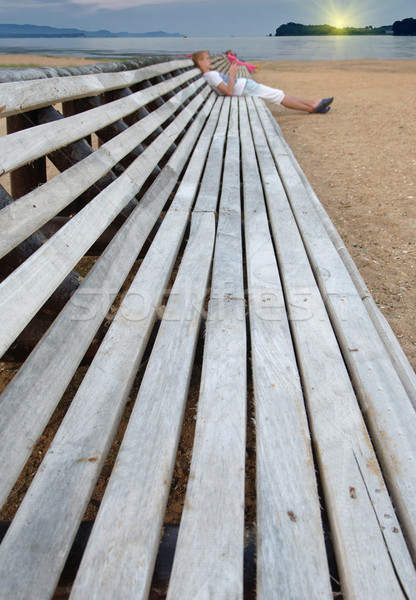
203, 17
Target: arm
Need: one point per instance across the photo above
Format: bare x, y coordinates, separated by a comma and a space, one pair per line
229, 89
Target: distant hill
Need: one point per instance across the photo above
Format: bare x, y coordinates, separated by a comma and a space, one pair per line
25, 31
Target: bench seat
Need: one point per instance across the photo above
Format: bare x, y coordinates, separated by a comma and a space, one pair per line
216, 261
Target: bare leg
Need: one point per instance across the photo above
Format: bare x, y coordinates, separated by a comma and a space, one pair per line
299, 103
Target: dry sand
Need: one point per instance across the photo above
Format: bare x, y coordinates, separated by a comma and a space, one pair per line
37, 60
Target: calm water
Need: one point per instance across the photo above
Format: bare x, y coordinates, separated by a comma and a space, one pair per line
249, 48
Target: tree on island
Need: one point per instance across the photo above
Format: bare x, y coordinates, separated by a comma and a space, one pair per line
405, 27
299, 29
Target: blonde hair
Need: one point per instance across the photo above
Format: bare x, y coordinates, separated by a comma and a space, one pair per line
197, 56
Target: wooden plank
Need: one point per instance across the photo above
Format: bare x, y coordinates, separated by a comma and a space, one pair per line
291, 557
56, 357
43, 271
208, 196
209, 553
401, 363
46, 523
228, 281
27, 177
131, 513
29, 213
21, 96
389, 414
364, 527
24, 146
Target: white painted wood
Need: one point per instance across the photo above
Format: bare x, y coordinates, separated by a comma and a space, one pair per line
365, 530
291, 557
400, 361
208, 196
76, 455
209, 556
21, 96
389, 413
49, 369
228, 282
36, 545
43, 271
21, 147
131, 514
29, 213
209, 553
29, 286
46, 523
198, 161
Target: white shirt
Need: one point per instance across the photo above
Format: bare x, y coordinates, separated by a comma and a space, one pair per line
214, 78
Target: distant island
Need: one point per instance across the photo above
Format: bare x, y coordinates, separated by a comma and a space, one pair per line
43, 31
404, 27
299, 29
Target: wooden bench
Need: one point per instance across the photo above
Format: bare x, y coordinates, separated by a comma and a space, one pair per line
210, 251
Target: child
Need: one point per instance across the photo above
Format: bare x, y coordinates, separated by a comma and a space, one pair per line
230, 85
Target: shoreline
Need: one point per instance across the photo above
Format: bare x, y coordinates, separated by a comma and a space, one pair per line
45, 60
359, 159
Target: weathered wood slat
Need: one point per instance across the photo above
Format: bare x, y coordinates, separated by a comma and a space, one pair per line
389, 414
51, 511
22, 96
291, 558
43, 271
208, 196
29, 213
364, 526
209, 553
73, 153
26, 145
61, 350
401, 363
68, 473
25, 249
131, 513
228, 280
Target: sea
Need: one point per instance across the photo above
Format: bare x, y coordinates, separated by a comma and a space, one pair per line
256, 48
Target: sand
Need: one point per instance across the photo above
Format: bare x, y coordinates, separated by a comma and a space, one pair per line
38, 60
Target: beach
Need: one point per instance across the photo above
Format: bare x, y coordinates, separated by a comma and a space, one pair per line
359, 159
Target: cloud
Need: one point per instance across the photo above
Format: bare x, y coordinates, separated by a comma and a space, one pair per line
124, 4
29, 4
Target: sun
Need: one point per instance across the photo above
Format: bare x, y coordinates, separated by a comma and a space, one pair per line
342, 13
